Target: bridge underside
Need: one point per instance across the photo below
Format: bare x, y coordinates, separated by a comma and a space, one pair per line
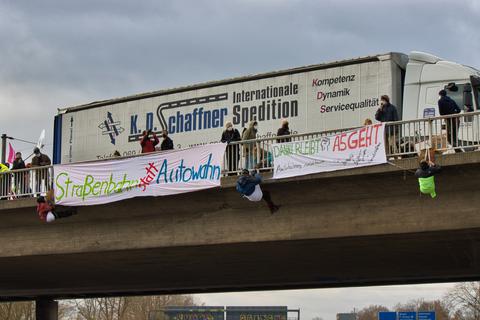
369, 227
374, 260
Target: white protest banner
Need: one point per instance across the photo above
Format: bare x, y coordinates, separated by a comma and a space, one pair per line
154, 174
351, 149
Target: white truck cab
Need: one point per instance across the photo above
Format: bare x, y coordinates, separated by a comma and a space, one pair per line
427, 74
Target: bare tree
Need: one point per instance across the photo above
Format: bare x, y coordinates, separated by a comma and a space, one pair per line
464, 301
143, 306
102, 308
127, 308
370, 312
17, 311
440, 307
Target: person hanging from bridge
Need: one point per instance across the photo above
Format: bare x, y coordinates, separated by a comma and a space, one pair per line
426, 177
249, 186
46, 209
149, 141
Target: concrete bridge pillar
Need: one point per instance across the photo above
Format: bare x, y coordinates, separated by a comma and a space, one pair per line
46, 309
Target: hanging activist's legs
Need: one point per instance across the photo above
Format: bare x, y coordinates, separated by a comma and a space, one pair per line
55, 215
268, 199
428, 190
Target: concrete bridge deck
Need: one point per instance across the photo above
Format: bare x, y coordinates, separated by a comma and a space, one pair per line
346, 228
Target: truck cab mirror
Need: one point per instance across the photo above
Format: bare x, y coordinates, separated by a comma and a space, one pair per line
467, 97
451, 87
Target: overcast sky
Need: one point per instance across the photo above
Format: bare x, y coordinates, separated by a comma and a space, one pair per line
57, 53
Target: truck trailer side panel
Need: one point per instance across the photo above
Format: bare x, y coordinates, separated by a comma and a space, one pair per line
316, 98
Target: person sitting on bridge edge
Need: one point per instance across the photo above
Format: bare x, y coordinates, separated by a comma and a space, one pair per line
167, 143
426, 180
249, 186
47, 213
149, 141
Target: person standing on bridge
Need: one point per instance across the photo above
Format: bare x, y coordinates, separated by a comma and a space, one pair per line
250, 149
233, 150
149, 141
41, 175
5, 179
167, 143
249, 186
426, 180
448, 106
19, 177
388, 113
284, 130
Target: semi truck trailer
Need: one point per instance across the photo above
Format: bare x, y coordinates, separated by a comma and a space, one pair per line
326, 96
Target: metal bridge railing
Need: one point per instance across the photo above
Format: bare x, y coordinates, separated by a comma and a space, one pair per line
447, 134
25, 182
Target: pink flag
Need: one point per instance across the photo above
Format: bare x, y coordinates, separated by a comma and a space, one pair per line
11, 154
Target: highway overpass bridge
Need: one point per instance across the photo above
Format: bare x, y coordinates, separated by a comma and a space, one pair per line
367, 226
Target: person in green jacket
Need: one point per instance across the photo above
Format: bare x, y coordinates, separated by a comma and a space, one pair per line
426, 180
5, 179
4, 167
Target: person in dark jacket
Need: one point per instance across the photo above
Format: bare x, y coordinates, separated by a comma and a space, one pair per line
40, 160
388, 113
249, 186
425, 174
149, 141
233, 151
167, 143
19, 177
447, 106
284, 130
18, 163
